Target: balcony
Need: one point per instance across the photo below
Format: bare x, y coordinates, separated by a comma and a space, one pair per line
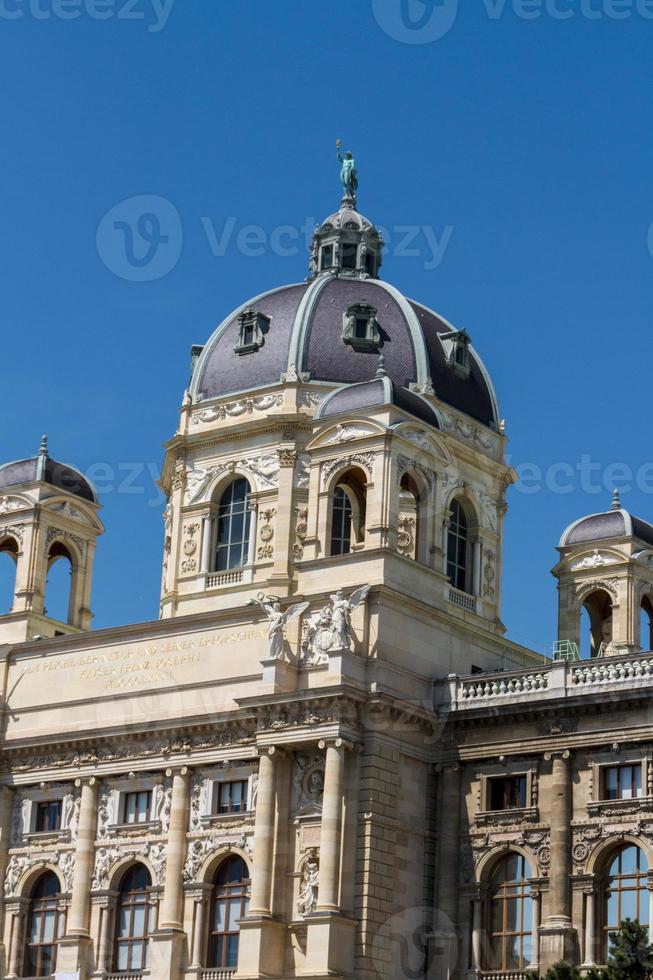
510, 975
560, 679
220, 974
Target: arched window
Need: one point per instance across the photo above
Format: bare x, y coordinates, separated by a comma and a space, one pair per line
132, 921
598, 607
8, 559
646, 624
234, 520
458, 549
230, 903
626, 892
59, 583
45, 927
348, 512
510, 915
408, 523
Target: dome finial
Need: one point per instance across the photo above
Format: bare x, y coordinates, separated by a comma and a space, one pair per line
616, 499
348, 176
43, 450
380, 371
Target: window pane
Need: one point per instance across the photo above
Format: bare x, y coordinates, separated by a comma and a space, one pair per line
138, 928
219, 916
232, 951
611, 776
49, 923
629, 857
123, 957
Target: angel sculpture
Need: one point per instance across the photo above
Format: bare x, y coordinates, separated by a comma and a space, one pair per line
271, 606
341, 616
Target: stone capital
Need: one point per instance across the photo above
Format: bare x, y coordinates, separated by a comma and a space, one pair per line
177, 771
552, 754
86, 781
273, 751
335, 742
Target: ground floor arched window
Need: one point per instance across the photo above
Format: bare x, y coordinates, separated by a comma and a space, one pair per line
44, 927
230, 904
626, 893
510, 915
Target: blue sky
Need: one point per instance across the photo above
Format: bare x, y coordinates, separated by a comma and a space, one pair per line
522, 144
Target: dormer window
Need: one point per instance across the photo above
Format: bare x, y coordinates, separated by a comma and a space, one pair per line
327, 257
459, 356
253, 327
361, 328
349, 256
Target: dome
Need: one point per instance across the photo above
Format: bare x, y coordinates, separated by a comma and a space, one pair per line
41, 467
379, 391
615, 523
302, 330
348, 217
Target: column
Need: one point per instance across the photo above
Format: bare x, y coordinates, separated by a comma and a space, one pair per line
590, 927
331, 832
559, 880
6, 809
17, 951
105, 943
477, 933
449, 846
557, 935
261, 895
535, 927
201, 900
171, 906
650, 907
206, 558
477, 553
79, 917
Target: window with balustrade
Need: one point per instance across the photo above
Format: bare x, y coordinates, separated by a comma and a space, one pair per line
234, 523
45, 927
510, 915
131, 952
626, 894
229, 905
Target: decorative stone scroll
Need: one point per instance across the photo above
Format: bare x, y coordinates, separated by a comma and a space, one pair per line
244, 406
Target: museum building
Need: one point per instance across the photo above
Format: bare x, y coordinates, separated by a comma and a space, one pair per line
325, 759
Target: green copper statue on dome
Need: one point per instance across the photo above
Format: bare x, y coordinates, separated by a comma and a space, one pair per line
348, 174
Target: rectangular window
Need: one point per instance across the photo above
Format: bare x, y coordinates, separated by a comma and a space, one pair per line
327, 257
48, 816
349, 254
622, 782
360, 328
232, 797
507, 793
137, 807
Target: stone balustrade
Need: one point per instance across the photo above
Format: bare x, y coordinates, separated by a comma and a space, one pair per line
550, 682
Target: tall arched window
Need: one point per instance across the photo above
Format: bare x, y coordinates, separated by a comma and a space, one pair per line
44, 927
458, 549
598, 607
626, 892
646, 624
510, 915
234, 520
8, 559
348, 512
59, 583
132, 921
230, 903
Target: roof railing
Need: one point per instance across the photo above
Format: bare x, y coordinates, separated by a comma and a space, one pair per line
565, 651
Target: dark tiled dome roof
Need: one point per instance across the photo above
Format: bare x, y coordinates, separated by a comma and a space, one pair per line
371, 394
305, 333
48, 470
615, 523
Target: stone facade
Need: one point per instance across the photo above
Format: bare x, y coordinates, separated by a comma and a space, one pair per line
346, 723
